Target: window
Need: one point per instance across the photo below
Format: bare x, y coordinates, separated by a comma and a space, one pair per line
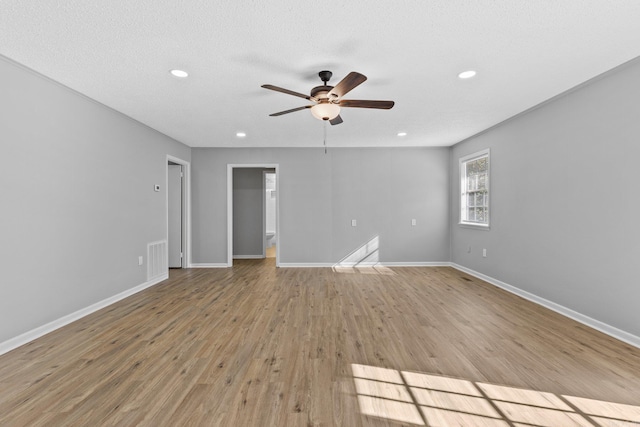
474, 184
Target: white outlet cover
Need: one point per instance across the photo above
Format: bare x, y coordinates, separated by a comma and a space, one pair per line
354, 223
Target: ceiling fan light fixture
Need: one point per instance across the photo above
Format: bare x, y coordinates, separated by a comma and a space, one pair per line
325, 111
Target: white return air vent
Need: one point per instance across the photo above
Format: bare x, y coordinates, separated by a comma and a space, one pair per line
156, 259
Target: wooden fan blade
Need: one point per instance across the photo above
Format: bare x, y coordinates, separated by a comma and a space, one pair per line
290, 111
287, 91
336, 120
385, 105
352, 80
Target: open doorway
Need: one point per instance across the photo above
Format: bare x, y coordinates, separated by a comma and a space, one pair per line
270, 213
247, 204
177, 213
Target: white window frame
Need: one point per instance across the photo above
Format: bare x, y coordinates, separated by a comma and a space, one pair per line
463, 188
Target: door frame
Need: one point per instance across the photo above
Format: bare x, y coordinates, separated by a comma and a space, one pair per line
264, 212
230, 168
186, 206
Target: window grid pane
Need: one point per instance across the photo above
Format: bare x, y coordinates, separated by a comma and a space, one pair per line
475, 193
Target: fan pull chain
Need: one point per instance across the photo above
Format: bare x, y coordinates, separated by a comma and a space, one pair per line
325, 137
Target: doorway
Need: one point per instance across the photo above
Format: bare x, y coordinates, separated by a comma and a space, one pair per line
177, 213
246, 212
270, 212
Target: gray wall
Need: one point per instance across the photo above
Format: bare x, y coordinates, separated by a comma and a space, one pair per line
78, 205
382, 188
248, 220
564, 201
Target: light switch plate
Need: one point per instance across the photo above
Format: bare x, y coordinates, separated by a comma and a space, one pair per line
353, 223
156, 187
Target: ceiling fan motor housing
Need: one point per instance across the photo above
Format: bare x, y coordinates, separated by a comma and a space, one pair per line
321, 92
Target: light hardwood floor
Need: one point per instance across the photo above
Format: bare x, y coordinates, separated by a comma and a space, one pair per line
271, 252
258, 346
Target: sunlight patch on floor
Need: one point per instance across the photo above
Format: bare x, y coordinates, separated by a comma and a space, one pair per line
363, 260
436, 400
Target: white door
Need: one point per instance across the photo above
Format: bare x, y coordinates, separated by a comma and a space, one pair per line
174, 196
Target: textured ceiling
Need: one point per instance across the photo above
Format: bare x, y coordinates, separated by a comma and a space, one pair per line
119, 52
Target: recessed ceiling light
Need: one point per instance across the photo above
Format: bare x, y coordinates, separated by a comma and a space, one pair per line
467, 74
179, 73
402, 134
241, 134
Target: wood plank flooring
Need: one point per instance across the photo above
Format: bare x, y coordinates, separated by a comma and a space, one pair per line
258, 346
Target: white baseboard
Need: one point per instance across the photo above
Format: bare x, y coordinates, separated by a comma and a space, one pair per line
363, 264
325, 264
31, 335
248, 257
208, 265
579, 317
305, 264
415, 264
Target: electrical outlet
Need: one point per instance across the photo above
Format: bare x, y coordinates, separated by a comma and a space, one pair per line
413, 221
353, 223
140, 260
484, 252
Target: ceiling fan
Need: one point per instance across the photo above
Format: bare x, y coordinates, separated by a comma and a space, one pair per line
328, 99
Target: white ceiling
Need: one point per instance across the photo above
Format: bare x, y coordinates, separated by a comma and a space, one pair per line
119, 52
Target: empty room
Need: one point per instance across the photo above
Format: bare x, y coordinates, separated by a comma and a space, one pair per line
364, 213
